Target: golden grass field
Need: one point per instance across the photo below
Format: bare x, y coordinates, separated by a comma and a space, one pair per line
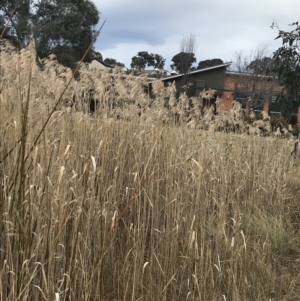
95, 207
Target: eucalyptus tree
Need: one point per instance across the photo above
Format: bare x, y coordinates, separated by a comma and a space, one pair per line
63, 27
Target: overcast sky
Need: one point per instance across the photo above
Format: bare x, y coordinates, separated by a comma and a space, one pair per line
221, 27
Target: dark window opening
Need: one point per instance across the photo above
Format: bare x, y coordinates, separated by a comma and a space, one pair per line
254, 100
242, 97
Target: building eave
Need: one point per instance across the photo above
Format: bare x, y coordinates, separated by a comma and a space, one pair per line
235, 73
104, 64
196, 71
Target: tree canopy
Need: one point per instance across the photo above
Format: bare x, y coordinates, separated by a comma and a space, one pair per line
259, 65
138, 63
97, 55
183, 61
62, 27
158, 61
112, 62
209, 63
286, 66
143, 59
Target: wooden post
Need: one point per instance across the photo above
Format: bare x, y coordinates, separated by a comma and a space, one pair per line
266, 106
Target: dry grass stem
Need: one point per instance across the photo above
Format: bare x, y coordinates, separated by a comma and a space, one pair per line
143, 199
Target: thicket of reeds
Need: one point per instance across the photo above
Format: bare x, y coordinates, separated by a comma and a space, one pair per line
139, 201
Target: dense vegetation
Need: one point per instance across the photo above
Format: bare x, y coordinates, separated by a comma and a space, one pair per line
144, 59
137, 201
286, 67
61, 27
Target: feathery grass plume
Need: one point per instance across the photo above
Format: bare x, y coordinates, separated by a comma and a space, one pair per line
124, 203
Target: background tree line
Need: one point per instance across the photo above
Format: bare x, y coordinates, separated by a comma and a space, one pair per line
182, 62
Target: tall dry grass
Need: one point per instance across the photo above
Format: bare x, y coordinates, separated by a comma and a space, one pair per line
119, 207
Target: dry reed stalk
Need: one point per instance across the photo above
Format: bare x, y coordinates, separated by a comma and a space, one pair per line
118, 208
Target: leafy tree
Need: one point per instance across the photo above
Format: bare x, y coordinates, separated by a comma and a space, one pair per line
146, 57
183, 62
143, 59
158, 61
259, 65
209, 63
138, 63
17, 12
112, 62
286, 66
62, 27
97, 55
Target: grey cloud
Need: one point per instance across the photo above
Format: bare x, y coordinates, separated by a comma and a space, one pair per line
220, 26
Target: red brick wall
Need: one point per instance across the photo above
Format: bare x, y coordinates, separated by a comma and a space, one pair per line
229, 87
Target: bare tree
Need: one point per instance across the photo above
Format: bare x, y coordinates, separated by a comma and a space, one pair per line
255, 62
252, 86
188, 44
186, 57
